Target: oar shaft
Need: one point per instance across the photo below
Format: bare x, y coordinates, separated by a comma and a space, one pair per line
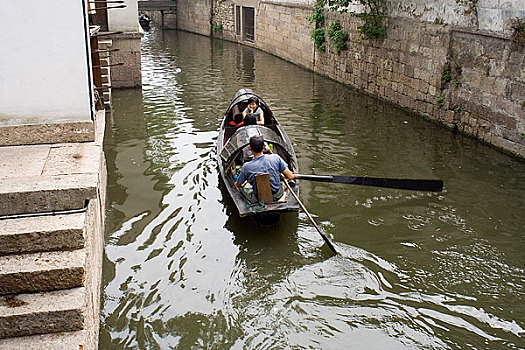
327, 241
320, 178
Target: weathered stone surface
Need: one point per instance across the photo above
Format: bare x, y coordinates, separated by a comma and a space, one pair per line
42, 233
72, 159
129, 74
40, 313
75, 340
43, 177
46, 193
41, 271
194, 16
28, 161
30, 134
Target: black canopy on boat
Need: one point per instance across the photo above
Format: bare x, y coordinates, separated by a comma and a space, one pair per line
242, 96
241, 138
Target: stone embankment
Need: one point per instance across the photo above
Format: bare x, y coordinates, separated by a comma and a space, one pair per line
51, 243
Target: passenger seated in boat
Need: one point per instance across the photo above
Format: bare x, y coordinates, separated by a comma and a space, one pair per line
272, 164
237, 121
253, 107
250, 119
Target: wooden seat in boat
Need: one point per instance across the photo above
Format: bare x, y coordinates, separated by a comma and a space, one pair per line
264, 189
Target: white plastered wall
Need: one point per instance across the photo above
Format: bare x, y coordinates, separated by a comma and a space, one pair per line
43, 62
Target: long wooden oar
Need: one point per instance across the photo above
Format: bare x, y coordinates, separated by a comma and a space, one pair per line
403, 184
327, 241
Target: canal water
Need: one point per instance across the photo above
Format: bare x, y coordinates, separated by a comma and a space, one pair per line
415, 271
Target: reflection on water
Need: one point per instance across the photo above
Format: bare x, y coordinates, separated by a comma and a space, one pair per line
415, 270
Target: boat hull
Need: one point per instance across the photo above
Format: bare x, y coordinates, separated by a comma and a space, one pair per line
230, 144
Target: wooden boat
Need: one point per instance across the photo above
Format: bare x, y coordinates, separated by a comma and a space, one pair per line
230, 144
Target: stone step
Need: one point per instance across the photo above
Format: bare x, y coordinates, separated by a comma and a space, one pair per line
41, 313
42, 233
55, 341
48, 178
41, 271
46, 193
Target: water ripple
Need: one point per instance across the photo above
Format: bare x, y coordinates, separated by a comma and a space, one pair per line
415, 271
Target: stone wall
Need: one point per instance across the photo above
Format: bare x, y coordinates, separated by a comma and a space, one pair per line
470, 80
129, 73
194, 16
486, 89
474, 14
405, 68
284, 31
224, 15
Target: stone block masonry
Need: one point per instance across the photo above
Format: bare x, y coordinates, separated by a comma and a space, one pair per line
487, 89
194, 16
284, 31
126, 70
454, 74
51, 263
224, 15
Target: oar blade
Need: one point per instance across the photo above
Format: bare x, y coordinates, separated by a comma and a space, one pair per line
402, 184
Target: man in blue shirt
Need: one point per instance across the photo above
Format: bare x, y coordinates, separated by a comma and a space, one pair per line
272, 164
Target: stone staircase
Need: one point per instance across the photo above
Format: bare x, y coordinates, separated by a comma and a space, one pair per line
42, 271
51, 241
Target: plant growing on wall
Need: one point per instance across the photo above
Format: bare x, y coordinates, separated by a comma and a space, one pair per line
517, 27
217, 28
338, 37
372, 17
372, 27
470, 6
318, 34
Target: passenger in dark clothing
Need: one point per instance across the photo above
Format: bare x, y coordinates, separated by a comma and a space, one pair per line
253, 107
250, 119
247, 155
238, 120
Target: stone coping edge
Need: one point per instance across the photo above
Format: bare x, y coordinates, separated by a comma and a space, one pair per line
45, 133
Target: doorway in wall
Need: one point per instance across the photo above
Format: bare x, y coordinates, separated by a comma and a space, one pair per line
248, 16
237, 20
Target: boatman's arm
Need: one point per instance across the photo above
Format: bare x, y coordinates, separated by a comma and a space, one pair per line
241, 180
288, 174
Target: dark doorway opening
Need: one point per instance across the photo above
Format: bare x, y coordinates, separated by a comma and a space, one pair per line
248, 14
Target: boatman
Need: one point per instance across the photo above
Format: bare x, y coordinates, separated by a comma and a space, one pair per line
272, 164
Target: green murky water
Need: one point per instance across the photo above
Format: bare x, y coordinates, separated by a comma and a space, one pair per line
415, 270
